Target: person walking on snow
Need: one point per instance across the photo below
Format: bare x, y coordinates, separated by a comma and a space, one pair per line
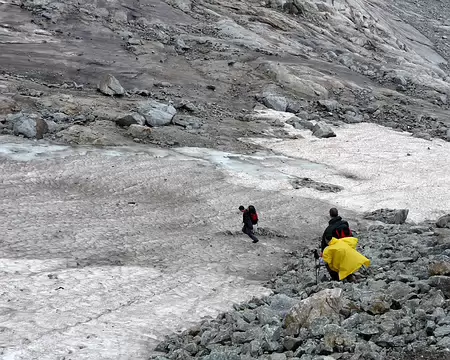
247, 215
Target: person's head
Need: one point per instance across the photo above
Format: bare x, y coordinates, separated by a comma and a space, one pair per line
251, 209
241, 208
333, 212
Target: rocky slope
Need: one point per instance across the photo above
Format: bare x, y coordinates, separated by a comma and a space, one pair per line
214, 61
217, 74
396, 309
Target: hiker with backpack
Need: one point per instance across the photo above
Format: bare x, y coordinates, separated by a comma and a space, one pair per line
338, 229
249, 218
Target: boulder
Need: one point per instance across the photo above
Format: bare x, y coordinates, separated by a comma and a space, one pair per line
185, 105
267, 316
300, 123
139, 131
375, 304
156, 113
7, 105
442, 283
388, 216
281, 304
443, 221
442, 331
326, 303
275, 102
28, 125
329, 105
439, 268
131, 119
109, 85
338, 338
399, 291
187, 121
294, 107
322, 130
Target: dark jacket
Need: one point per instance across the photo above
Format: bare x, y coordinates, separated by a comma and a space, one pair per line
335, 228
247, 220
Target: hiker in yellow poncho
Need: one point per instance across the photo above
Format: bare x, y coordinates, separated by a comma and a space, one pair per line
341, 256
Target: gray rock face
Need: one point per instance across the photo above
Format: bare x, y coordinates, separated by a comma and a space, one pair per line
28, 125
156, 113
109, 85
322, 130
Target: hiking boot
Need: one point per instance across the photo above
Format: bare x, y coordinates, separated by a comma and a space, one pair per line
255, 241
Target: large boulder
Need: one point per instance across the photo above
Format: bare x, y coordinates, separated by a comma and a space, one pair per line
156, 113
275, 102
326, 303
28, 125
109, 85
443, 221
322, 130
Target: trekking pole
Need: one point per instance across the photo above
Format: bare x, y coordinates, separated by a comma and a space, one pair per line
317, 265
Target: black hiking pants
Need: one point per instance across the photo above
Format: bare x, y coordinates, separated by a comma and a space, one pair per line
334, 275
250, 233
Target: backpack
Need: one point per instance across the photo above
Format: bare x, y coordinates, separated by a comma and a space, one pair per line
342, 230
253, 214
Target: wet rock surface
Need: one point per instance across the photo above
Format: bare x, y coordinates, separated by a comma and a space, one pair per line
392, 310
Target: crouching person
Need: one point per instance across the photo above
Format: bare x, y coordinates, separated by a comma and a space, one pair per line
342, 258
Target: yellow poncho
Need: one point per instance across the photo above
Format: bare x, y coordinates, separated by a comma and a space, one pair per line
341, 256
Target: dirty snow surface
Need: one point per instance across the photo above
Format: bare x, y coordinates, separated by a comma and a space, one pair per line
104, 251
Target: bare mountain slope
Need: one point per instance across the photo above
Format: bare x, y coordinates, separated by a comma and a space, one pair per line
219, 55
